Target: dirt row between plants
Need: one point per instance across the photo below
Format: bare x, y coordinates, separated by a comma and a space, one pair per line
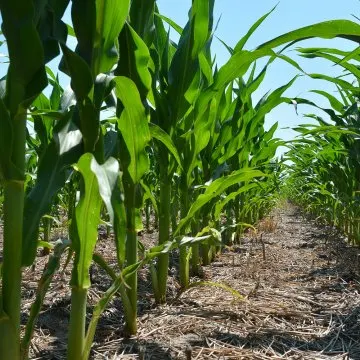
300, 285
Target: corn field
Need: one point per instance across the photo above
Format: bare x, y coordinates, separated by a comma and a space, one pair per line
147, 131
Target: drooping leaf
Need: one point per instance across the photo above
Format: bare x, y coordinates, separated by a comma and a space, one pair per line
328, 29
80, 72
159, 134
220, 205
83, 16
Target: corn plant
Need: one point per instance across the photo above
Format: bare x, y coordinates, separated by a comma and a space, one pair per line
206, 136
29, 46
188, 115
326, 154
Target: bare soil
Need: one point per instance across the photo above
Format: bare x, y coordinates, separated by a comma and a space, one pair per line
300, 285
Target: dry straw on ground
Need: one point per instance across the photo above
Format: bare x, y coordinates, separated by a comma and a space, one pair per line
300, 284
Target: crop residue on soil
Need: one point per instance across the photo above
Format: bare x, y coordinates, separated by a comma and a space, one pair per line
301, 288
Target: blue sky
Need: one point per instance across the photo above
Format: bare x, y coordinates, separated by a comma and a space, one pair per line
237, 17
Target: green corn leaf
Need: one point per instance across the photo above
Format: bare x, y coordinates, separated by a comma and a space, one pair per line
256, 82
266, 105
134, 60
328, 29
163, 54
142, 19
107, 177
212, 237
215, 189
240, 45
164, 248
110, 189
149, 195
131, 269
234, 143
64, 150
345, 85
103, 302
206, 68
220, 205
43, 124
291, 62
236, 67
83, 16
134, 127
312, 51
202, 17
346, 65
51, 28
26, 75
201, 135
56, 93
270, 133
334, 102
70, 30
87, 214
43, 286
184, 66
273, 99
110, 19
240, 61
266, 152
159, 134
191, 240
50, 73
120, 228
227, 47
171, 22
329, 130
81, 78
351, 55
110, 143
90, 124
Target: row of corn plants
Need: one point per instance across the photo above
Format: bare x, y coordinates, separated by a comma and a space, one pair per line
184, 140
324, 175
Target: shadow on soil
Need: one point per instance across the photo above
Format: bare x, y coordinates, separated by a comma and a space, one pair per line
342, 339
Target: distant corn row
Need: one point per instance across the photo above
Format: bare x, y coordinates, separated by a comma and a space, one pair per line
184, 142
325, 172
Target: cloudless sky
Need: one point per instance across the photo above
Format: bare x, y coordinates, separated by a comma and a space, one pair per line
237, 16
